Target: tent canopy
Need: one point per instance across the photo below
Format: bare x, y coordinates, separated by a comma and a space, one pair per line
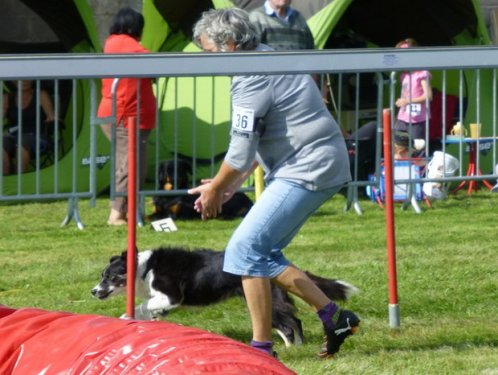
55, 26
70, 22
431, 23
182, 15
188, 115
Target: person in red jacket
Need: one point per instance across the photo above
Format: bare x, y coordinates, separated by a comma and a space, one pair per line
134, 98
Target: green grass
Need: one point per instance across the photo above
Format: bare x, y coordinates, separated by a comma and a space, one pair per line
447, 263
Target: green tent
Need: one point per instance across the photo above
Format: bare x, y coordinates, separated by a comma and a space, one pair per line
382, 23
199, 125
70, 28
195, 118
194, 121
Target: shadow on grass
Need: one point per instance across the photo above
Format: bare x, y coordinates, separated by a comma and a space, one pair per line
457, 345
242, 335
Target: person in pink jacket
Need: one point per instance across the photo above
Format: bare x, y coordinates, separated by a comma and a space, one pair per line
413, 104
135, 98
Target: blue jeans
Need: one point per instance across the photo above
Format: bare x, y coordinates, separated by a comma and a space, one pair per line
255, 248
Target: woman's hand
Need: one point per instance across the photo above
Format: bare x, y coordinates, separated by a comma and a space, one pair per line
401, 102
214, 192
227, 194
209, 202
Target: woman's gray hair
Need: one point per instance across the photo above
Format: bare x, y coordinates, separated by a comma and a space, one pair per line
222, 26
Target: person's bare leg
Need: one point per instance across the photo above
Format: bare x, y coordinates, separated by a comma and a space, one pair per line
6, 164
298, 283
338, 324
257, 291
116, 217
25, 158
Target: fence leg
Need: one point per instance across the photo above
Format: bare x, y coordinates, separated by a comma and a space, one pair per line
352, 200
411, 199
415, 205
73, 213
141, 211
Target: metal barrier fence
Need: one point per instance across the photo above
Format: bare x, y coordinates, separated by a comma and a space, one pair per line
78, 163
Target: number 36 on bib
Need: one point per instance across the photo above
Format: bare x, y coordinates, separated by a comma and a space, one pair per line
243, 119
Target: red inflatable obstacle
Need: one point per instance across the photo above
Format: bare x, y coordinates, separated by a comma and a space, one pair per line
41, 342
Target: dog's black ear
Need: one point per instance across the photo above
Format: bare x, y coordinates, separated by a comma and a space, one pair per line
162, 172
185, 165
124, 254
114, 258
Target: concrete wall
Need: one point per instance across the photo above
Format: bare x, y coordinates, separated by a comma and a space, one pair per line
104, 10
490, 12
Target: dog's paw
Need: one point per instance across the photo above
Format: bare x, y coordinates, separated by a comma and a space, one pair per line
157, 314
142, 313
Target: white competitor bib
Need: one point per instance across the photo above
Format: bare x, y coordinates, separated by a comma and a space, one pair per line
414, 109
243, 119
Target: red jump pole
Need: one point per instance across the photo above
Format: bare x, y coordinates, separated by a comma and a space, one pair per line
132, 215
394, 321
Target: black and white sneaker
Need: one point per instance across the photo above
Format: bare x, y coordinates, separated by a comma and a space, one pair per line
347, 324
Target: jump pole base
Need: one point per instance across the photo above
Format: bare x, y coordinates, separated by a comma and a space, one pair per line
394, 321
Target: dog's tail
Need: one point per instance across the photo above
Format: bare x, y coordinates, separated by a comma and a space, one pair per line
334, 289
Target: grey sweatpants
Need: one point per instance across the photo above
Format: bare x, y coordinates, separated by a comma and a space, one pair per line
121, 173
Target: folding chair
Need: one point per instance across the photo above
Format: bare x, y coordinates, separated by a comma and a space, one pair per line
406, 192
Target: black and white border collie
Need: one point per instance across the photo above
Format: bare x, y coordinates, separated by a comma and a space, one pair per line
170, 277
